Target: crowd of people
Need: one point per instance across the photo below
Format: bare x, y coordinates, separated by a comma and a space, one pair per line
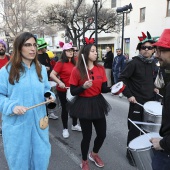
30, 68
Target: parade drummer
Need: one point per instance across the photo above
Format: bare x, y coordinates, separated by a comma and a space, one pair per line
88, 81
23, 84
138, 78
161, 159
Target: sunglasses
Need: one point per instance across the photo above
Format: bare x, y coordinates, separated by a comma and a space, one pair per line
75, 50
91, 75
147, 47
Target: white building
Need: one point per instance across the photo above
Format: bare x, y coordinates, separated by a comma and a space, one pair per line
147, 15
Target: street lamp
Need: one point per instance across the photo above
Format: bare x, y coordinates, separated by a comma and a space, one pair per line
123, 10
96, 23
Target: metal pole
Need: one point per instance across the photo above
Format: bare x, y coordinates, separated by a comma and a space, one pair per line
122, 32
96, 25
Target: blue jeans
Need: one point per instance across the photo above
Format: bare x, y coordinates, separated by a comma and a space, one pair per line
116, 76
161, 161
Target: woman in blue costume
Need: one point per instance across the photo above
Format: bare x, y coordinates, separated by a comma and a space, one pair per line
23, 84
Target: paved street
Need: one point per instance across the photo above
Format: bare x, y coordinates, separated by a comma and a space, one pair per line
66, 153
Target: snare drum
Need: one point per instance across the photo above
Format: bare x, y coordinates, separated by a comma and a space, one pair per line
152, 114
142, 151
69, 96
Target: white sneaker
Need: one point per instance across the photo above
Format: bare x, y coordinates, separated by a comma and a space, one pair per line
120, 95
76, 127
52, 116
65, 133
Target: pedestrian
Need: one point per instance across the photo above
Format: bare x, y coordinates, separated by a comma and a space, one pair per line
44, 59
61, 74
108, 61
3, 61
139, 80
89, 105
76, 52
118, 66
23, 84
161, 158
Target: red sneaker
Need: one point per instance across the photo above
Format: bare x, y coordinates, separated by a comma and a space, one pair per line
96, 159
84, 165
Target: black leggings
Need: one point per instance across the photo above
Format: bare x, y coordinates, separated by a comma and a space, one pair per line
100, 127
64, 114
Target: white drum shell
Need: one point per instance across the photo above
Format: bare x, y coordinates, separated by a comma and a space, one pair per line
142, 151
152, 114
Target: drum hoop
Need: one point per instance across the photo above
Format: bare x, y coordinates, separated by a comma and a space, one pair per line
121, 90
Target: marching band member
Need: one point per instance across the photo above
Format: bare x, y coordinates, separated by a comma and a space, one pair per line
89, 105
161, 159
138, 78
23, 84
63, 69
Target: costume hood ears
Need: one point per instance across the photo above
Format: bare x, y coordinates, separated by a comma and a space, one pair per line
61, 44
148, 35
143, 37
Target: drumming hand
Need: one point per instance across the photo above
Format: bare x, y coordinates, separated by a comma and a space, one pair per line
87, 84
155, 142
156, 90
51, 98
61, 85
19, 110
132, 99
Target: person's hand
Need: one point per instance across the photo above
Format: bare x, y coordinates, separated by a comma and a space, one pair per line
87, 84
19, 110
156, 90
155, 142
132, 99
51, 98
61, 85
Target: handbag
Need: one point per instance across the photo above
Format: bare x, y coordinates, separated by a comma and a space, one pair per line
159, 81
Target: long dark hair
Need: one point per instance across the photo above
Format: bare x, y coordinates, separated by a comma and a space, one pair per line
64, 58
17, 69
85, 50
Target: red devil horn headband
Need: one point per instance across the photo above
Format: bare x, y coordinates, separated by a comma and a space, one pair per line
87, 41
143, 37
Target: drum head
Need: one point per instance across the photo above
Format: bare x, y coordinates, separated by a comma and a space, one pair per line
142, 142
116, 88
153, 107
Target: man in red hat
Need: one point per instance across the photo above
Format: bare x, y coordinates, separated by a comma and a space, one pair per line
139, 80
161, 159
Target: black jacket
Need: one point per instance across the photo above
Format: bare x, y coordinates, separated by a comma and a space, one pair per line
108, 60
165, 126
138, 78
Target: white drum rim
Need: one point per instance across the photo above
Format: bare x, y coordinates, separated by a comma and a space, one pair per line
144, 136
150, 112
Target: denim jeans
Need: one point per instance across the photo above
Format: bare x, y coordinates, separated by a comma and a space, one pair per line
161, 161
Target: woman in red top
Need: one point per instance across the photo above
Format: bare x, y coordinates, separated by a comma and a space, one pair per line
89, 105
63, 69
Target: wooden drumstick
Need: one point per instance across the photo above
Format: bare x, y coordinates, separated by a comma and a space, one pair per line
139, 128
149, 111
85, 66
49, 101
160, 95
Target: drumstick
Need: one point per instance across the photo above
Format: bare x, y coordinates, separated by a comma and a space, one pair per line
149, 111
147, 123
159, 95
85, 66
139, 128
35, 106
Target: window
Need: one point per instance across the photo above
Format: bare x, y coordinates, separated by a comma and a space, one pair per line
113, 3
168, 8
142, 14
127, 19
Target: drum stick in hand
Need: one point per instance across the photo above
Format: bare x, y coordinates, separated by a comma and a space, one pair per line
159, 95
139, 128
49, 101
85, 66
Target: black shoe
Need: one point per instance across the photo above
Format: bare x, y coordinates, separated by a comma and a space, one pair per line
130, 158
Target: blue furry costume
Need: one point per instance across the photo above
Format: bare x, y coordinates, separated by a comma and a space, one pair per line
26, 146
